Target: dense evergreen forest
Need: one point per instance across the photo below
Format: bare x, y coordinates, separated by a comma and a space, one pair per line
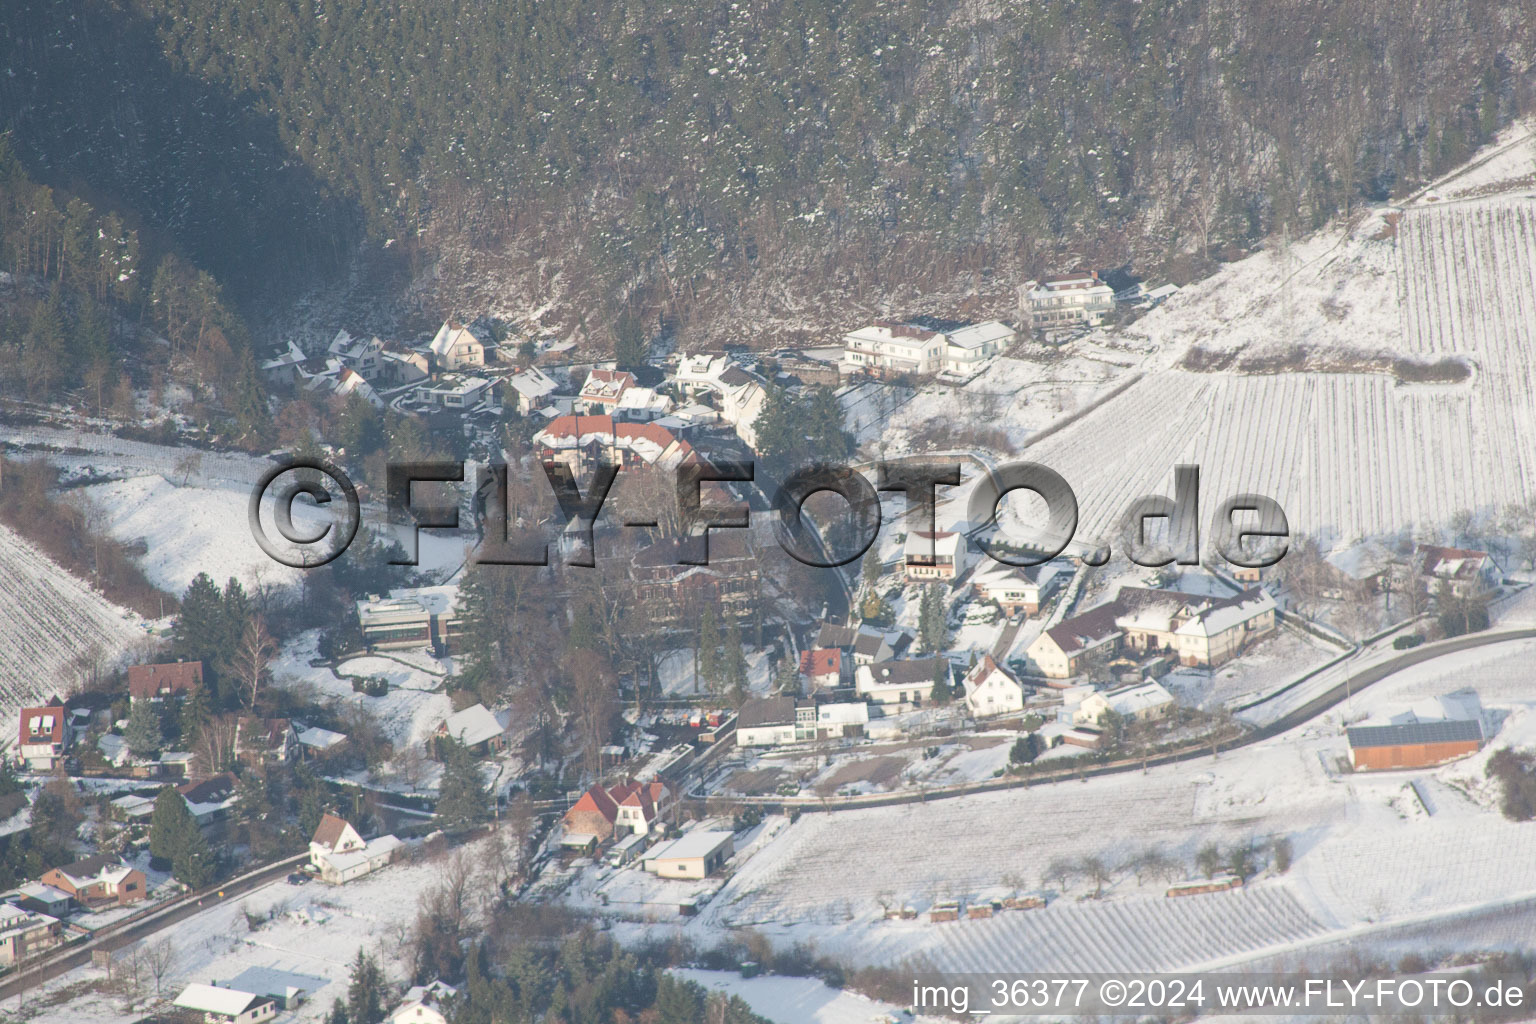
692, 159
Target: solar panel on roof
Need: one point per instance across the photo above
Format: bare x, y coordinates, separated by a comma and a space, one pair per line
1449, 731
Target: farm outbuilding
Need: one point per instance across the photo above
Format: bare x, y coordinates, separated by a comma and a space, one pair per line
1413, 744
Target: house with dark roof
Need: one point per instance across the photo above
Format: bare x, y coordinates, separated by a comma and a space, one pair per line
265, 740
43, 736
1197, 629
165, 681
338, 852
99, 881
1457, 571
209, 800
671, 590
778, 720
898, 683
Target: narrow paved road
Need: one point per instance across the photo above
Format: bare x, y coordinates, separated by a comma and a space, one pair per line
116, 937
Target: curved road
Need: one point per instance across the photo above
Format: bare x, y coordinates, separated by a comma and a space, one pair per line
114, 937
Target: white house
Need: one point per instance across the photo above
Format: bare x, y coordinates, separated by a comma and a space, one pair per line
775, 721
991, 690
456, 391
424, 1004
455, 347
1065, 302
696, 855
888, 349
739, 394
532, 387
899, 682
1198, 630
401, 365
226, 1005
1141, 702
338, 852
934, 556
285, 367
365, 355
967, 349
603, 389
1018, 589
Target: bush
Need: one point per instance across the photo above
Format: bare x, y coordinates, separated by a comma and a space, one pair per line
371, 686
1403, 643
1515, 771
1025, 749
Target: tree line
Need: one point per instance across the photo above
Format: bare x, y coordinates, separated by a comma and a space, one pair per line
678, 159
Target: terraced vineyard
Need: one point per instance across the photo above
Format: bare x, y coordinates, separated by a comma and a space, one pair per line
1148, 934
48, 621
1351, 454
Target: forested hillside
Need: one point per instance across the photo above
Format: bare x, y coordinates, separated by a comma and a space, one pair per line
726, 162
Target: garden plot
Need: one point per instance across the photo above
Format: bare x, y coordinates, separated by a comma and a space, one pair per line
51, 625
408, 714
674, 673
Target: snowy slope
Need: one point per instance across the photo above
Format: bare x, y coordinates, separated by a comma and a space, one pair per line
48, 620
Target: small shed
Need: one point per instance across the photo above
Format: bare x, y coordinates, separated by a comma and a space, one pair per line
697, 854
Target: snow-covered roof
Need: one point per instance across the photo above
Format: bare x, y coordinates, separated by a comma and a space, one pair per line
700, 843
450, 336
940, 544
532, 383
212, 999
1129, 700
1229, 613
377, 847
320, 739
977, 335
475, 724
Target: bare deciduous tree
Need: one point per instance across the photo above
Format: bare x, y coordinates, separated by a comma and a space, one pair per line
215, 749
252, 656
160, 960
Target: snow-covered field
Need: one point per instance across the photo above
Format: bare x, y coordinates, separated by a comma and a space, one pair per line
52, 628
188, 530
1366, 853
410, 711
799, 1000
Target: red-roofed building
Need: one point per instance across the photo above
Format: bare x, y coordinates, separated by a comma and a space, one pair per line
822, 668
1456, 571
628, 808
582, 441
604, 388
158, 682
43, 736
